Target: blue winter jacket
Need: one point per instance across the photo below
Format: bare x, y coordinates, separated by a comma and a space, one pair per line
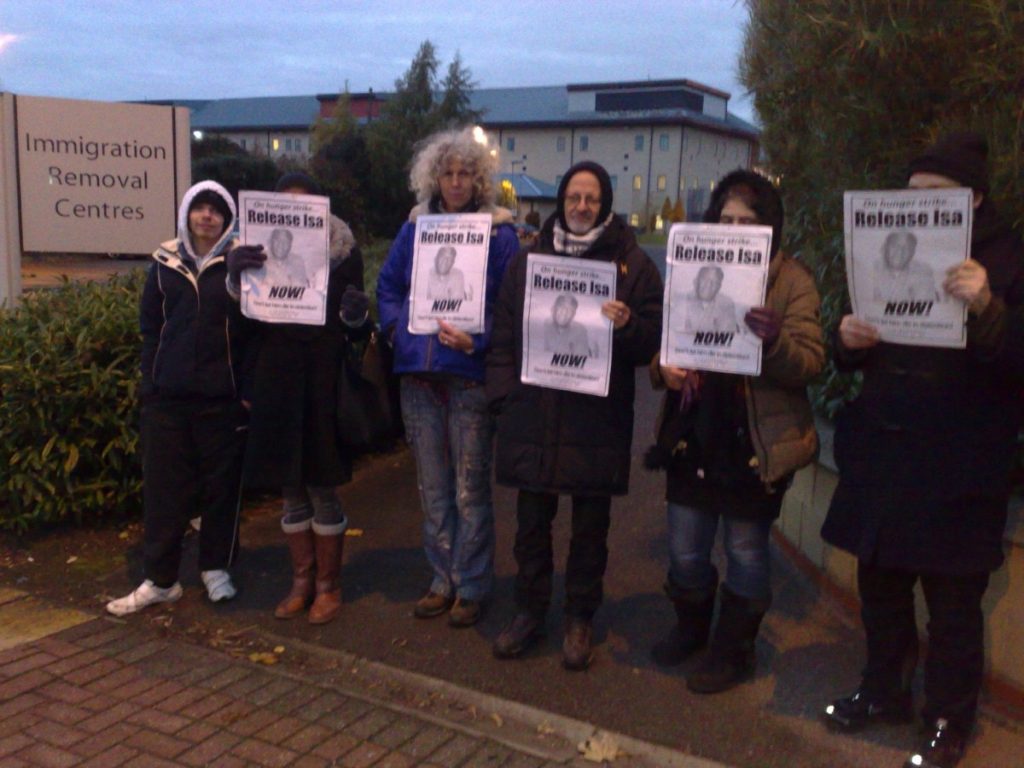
426, 354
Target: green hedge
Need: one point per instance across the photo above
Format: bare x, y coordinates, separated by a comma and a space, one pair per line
68, 418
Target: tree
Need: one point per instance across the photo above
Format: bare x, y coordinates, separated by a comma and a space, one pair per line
666, 213
848, 93
454, 111
679, 212
213, 146
341, 163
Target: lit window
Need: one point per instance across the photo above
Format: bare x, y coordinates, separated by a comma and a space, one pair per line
634, 219
276, 144
638, 182
638, 142
560, 144
584, 143
663, 142
659, 223
682, 182
510, 143
661, 183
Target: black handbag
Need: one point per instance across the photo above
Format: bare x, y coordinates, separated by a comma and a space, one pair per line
366, 413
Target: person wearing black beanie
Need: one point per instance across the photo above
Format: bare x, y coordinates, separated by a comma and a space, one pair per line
924, 457
554, 442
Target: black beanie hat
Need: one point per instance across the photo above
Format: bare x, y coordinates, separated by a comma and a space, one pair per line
298, 179
218, 202
962, 157
606, 190
767, 201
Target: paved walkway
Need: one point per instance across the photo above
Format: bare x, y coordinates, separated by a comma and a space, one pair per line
105, 692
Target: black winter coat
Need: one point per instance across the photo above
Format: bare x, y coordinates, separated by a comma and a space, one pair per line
565, 442
292, 430
194, 337
924, 453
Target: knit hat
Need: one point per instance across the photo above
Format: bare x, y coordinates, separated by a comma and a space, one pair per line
962, 157
300, 180
218, 202
766, 203
602, 178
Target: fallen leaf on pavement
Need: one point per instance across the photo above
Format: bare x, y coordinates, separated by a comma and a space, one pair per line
353, 531
497, 719
71, 559
278, 649
263, 658
599, 748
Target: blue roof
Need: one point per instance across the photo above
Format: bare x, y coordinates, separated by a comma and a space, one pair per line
528, 187
258, 113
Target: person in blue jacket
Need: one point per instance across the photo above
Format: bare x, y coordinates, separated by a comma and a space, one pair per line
444, 408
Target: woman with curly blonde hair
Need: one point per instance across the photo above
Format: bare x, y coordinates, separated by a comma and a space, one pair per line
445, 410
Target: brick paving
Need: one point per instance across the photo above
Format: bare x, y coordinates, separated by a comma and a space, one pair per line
111, 695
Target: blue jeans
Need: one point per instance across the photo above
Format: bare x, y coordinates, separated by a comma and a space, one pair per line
691, 537
451, 431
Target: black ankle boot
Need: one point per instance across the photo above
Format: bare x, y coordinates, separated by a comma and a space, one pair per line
859, 710
942, 748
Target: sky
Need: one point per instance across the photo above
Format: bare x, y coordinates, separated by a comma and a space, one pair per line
120, 50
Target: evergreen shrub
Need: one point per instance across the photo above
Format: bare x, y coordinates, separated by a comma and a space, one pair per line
68, 416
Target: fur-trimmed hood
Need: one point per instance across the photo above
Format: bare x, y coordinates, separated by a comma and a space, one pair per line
499, 215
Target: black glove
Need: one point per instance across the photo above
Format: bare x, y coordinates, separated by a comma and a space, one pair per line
764, 323
354, 306
244, 257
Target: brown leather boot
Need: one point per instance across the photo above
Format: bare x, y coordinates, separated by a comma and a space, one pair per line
303, 555
329, 546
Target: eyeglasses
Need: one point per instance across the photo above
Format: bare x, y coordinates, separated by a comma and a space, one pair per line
590, 202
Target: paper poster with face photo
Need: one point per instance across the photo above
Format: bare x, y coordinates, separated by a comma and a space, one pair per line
714, 273
294, 230
899, 244
567, 342
449, 272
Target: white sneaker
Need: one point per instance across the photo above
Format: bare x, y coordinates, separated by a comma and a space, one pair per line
147, 593
218, 585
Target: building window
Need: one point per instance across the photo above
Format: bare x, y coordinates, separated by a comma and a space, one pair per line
638, 142
584, 143
276, 144
638, 182
661, 183
298, 145
560, 144
682, 183
288, 145
634, 219
663, 142
510, 143
615, 180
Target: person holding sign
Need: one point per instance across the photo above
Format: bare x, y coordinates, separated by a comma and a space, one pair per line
553, 441
194, 342
293, 445
730, 445
444, 407
924, 456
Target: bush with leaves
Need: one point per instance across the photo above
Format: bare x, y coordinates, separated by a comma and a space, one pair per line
847, 93
68, 420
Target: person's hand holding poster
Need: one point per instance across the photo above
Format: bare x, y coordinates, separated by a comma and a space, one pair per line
294, 230
449, 272
899, 244
567, 341
714, 274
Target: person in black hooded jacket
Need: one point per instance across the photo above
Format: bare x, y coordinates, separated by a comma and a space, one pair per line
924, 457
194, 343
552, 442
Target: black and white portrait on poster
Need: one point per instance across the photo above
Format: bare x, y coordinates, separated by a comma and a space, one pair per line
449, 272
899, 244
567, 342
714, 273
294, 230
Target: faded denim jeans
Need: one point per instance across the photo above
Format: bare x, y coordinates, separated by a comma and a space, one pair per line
451, 431
691, 537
